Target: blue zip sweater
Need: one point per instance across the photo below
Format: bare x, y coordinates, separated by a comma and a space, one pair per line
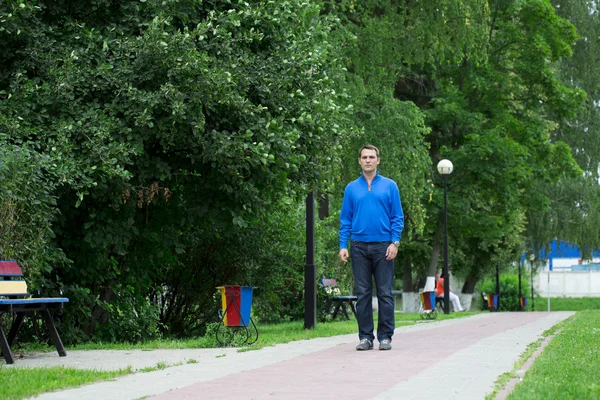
371, 215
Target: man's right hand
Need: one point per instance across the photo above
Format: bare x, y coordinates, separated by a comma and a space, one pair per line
344, 255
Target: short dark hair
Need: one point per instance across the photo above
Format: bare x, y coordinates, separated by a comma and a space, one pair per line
368, 147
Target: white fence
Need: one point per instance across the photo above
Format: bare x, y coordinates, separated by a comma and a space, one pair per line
562, 284
568, 283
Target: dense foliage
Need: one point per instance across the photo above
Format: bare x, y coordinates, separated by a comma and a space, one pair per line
483, 75
152, 150
574, 203
176, 132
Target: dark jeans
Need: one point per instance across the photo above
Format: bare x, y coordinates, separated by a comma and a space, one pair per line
368, 261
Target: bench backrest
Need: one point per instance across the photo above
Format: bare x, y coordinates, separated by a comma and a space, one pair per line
330, 287
11, 279
328, 282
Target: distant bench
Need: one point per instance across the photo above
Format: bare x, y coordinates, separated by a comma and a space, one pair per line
13, 292
335, 298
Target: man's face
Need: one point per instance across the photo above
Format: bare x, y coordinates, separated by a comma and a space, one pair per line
368, 160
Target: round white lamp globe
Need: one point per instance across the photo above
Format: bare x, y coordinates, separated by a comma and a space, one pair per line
445, 167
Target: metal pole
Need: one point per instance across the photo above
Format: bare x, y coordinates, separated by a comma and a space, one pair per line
310, 271
548, 290
446, 272
498, 287
550, 258
520, 292
532, 298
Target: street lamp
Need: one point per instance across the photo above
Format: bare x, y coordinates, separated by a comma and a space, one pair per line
445, 168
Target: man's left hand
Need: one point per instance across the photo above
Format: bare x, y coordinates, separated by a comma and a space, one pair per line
391, 252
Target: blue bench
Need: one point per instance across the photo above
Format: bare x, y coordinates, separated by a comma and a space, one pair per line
14, 300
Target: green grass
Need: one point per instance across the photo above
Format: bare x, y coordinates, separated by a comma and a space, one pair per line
569, 366
19, 383
269, 335
567, 303
505, 378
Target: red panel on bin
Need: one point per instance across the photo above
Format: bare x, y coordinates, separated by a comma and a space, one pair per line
493, 300
233, 294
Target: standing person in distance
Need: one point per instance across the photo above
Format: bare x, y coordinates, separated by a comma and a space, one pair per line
372, 216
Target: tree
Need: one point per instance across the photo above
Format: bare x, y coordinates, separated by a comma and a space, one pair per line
483, 75
573, 206
176, 127
494, 120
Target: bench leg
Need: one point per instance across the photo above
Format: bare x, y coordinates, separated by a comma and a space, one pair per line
54, 333
343, 304
5, 348
353, 309
326, 309
337, 309
14, 329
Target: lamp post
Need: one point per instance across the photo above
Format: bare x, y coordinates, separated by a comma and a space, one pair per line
520, 292
310, 270
445, 168
532, 297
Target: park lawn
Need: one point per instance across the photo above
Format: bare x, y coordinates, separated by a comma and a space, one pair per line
20, 383
569, 366
567, 303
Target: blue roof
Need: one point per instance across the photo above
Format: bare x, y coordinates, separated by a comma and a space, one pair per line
562, 249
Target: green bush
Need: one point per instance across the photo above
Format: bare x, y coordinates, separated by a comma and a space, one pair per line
509, 290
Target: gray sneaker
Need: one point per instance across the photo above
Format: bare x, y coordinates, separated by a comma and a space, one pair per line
365, 344
385, 344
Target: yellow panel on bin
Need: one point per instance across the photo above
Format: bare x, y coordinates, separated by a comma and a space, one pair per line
223, 303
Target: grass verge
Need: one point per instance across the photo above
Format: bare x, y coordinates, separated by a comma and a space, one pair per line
20, 383
569, 366
507, 377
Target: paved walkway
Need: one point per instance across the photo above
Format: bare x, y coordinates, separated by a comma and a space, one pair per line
453, 359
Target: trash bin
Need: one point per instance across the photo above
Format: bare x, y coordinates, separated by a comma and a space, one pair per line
237, 304
428, 300
523, 301
493, 301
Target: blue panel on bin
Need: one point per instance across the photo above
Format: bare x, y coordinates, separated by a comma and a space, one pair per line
432, 297
246, 305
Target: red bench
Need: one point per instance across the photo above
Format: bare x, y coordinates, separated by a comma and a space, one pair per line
15, 300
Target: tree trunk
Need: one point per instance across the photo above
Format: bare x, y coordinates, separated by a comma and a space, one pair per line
323, 200
472, 278
99, 314
407, 283
436, 248
469, 285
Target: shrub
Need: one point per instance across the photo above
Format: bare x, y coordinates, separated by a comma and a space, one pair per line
509, 290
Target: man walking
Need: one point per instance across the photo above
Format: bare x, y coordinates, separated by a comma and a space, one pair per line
372, 216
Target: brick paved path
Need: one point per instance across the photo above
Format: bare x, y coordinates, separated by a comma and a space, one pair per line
492, 343
453, 359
